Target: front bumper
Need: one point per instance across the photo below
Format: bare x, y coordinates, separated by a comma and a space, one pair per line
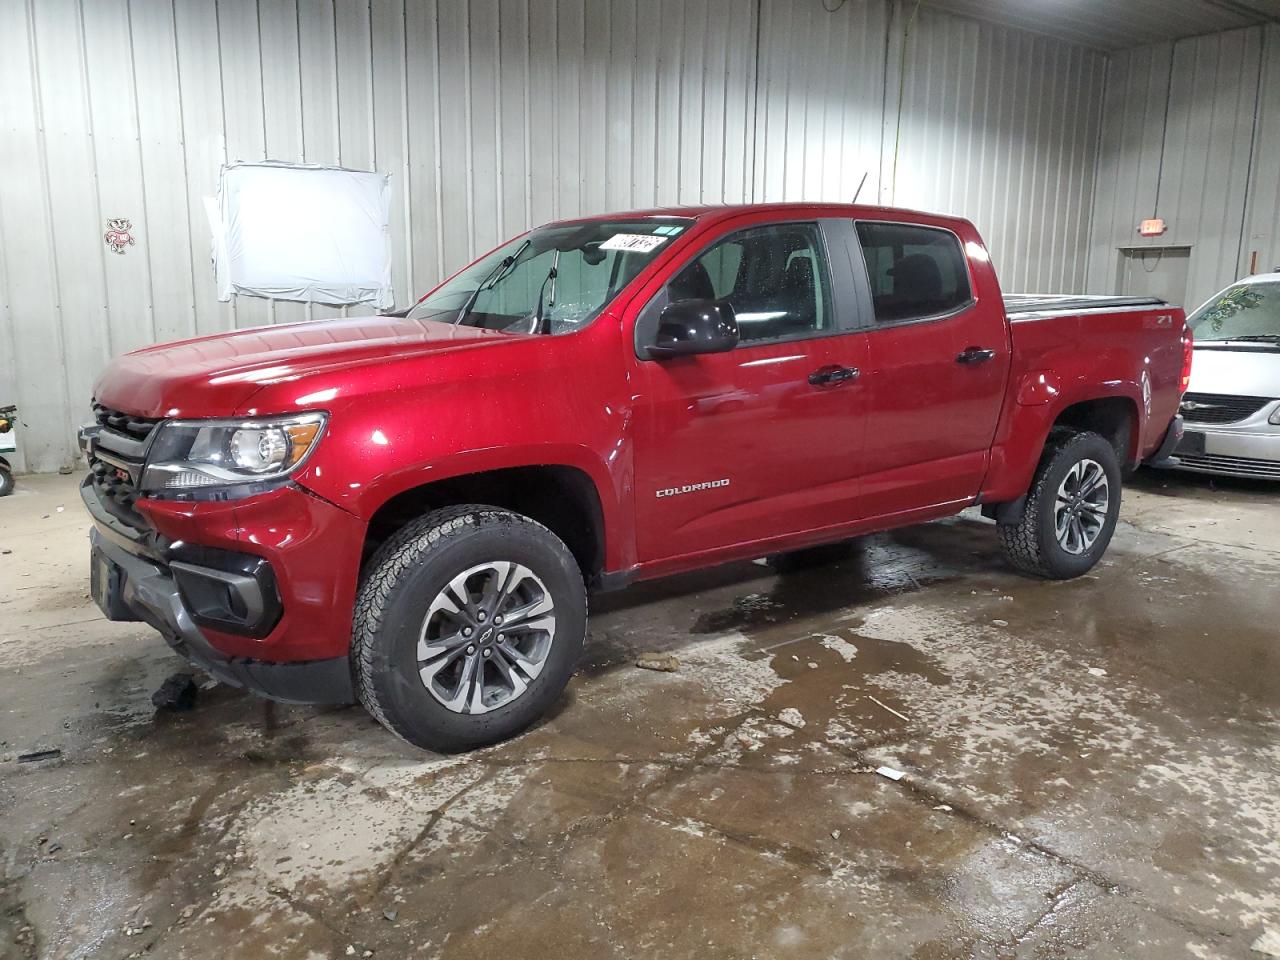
130, 587
255, 592
1247, 448
1232, 453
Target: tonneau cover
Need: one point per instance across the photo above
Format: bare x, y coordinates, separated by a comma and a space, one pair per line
1021, 304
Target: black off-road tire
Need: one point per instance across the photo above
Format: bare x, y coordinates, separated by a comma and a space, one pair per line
401, 581
6, 481
1031, 543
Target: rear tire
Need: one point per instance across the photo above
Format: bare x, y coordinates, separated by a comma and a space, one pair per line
427, 657
1071, 511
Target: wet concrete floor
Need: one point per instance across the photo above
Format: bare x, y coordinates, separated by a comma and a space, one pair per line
1087, 769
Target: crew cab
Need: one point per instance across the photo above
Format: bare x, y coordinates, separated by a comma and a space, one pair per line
409, 511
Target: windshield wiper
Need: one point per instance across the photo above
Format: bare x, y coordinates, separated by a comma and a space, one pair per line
538, 316
500, 270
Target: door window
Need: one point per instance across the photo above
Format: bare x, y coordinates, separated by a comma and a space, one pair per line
774, 276
915, 272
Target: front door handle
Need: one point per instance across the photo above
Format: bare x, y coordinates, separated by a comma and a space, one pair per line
976, 355
831, 375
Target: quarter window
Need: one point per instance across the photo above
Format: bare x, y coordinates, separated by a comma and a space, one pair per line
915, 272
774, 276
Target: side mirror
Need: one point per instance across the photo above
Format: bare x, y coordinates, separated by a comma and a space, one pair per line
689, 327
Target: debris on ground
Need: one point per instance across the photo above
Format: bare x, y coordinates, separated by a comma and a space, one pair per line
791, 717
835, 834
665, 663
891, 773
390, 915
36, 756
885, 706
1268, 944
944, 807
1000, 623
178, 693
1097, 672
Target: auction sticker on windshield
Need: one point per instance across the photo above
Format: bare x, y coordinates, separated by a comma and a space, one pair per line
633, 242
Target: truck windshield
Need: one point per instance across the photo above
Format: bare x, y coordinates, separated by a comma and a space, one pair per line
554, 279
1246, 311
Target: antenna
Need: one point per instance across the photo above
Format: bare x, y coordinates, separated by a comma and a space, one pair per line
857, 192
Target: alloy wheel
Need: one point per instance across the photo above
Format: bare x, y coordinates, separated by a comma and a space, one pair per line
1080, 511
486, 637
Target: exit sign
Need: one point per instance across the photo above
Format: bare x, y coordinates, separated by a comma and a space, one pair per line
1151, 228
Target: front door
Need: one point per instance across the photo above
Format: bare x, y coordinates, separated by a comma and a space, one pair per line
936, 371
760, 441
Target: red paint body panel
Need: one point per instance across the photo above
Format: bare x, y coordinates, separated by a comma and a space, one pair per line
917, 436
314, 549
1127, 357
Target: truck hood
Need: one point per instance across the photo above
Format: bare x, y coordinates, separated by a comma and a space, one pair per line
215, 375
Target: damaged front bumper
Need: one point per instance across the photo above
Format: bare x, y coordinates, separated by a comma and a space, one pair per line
232, 593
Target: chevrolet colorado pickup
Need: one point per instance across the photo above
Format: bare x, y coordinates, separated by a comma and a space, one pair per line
409, 511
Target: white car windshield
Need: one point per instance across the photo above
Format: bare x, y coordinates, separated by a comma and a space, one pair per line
554, 279
1246, 311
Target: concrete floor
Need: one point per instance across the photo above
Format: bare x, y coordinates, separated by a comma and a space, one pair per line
1089, 768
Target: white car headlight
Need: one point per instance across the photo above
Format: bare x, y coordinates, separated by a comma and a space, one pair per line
194, 454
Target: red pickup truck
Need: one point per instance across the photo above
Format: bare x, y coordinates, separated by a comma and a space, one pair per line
409, 511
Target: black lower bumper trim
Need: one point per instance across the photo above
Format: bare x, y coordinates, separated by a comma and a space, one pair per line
1164, 456
150, 593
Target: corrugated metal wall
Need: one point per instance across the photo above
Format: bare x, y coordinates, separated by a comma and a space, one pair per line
1262, 212
1001, 127
1191, 133
491, 115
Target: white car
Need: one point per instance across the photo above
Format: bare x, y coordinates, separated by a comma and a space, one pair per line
1232, 406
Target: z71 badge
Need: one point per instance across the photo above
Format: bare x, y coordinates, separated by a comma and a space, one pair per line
691, 488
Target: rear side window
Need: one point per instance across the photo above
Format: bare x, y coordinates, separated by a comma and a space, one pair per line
915, 272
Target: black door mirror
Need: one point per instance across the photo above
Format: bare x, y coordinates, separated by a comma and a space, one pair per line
688, 327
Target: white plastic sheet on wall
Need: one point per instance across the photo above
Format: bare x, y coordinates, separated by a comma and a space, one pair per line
303, 232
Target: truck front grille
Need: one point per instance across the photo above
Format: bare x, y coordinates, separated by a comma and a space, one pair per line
125, 424
116, 465
1220, 407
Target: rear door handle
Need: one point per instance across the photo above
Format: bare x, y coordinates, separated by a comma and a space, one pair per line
976, 355
832, 375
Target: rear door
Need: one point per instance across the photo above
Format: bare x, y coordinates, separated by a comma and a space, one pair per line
938, 360
760, 441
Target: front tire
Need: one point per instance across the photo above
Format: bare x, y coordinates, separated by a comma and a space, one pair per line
467, 628
1071, 511
6, 482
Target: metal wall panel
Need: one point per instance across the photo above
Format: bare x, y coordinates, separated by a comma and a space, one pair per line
1118, 24
490, 116
1261, 248
1001, 127
1179, 143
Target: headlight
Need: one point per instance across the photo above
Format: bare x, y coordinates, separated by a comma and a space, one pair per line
191, 454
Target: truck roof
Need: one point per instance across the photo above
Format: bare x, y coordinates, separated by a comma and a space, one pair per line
713, 212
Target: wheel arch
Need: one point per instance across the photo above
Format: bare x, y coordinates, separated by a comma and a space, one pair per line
1115, 418
562, 498
1115, 415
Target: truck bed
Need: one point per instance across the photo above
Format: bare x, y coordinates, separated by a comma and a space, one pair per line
1024, 305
